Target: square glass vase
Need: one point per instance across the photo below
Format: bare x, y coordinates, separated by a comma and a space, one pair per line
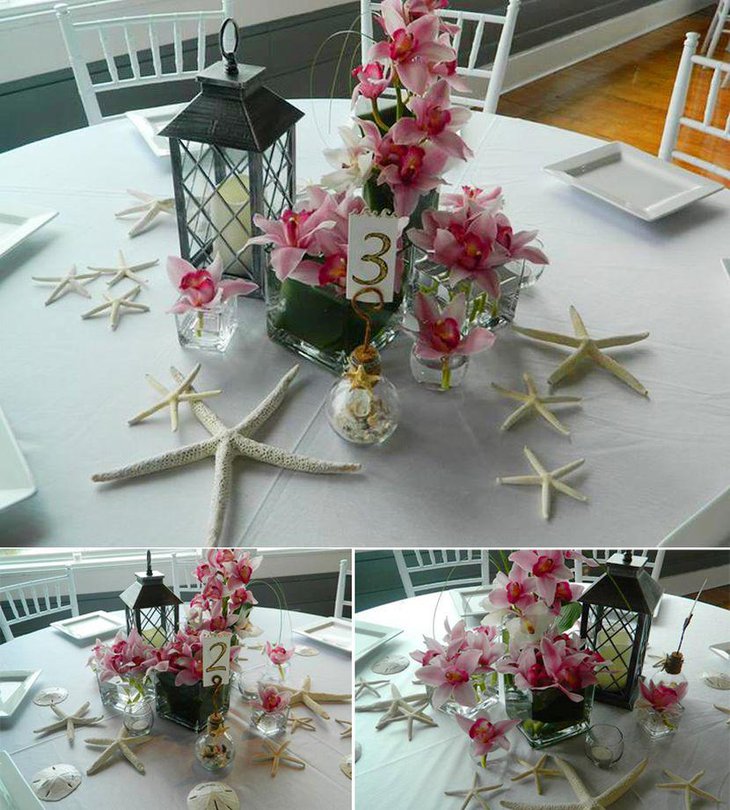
188, 706
270, 724
548, 716
116, 695
208, 329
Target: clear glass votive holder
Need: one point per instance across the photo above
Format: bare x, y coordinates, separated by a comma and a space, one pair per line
604, 745
210, 328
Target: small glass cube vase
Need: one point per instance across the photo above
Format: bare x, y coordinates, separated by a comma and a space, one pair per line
208, 328
270, 724
659, 725
138, 717
439, 375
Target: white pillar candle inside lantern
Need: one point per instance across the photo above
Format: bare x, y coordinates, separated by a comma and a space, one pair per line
232, 197
616, 651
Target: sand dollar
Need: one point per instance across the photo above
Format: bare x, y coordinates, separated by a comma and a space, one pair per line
51, 695
390, 665
213, 796
55, 783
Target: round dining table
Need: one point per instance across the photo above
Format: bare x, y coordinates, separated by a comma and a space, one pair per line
393, 773
171, 768
71, 385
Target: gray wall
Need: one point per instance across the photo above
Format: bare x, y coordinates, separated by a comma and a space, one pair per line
377, 580
45, 105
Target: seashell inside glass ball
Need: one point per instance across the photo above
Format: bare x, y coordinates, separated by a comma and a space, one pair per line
56, 782
362, 415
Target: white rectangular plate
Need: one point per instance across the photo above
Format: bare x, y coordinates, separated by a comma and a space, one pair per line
90, 626
18, 222
15, 792
369, 637
333, 632
723, 650
468, 601
150, 121
633, 181
16, 481
14, 686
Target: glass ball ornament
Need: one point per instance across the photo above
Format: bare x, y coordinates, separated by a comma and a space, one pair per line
363, 406
214, 748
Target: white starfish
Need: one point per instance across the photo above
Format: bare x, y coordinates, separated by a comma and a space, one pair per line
586, 348
474, 792
71, 282
689, 787
300, 722
225, 445
304, 696
532, 402
347, 730
69, 721
152, 206
584, 799
124, 270
278, 755
722, 709
394, 705
409, 713
362, 686
548, 480
380, 705
172, 399
538, 770
117, 306
119, 744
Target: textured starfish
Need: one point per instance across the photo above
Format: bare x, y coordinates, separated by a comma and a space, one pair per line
359, 378
150, 205
117, 306
584, 799
124, 270
548, 480
347, 730
69, 721
71, 282
225, 445
362, 686
474, 792
586, 348
380, 705
538, 771
119, 744
532, 402
278, 755
409, 713
300, 722
722, 709
689, 787
304, 696
172, 399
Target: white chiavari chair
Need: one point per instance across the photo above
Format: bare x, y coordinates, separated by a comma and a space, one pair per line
475, 21
449, 565
28, 601
183, 574
586, 574
717, 28
136, 37
340, 601
708, 125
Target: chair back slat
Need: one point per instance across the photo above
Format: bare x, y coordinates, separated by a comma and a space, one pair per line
340, 601
177, 44
134, 63
458, 19
201, 45
712, 97
442, 567
155, 48
110, 63
476, 45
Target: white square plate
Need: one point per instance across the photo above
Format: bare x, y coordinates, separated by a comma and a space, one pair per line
369, 637
14, 686
15, 792
723, 650
633, 181
16, 481
150, 121
333, 632
18, 222
468, 601
90, 626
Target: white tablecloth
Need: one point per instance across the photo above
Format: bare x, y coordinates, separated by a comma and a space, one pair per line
69, 385
393, 773
172, 770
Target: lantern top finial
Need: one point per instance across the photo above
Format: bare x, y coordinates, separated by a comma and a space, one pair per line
229, 55
149, 563
628, 557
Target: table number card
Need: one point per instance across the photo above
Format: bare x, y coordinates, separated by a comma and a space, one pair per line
216, 657
371, 256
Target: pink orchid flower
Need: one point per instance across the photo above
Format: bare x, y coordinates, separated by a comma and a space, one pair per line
278, 654
372, 80
411, 47
516, 244
435, 121
352, 162
490, 649
474, 200
218, 559
409, 171
546, 566
270, 699
240, 570
513, 591
451, 677
661, 698
485, 734
203, 288
565, 592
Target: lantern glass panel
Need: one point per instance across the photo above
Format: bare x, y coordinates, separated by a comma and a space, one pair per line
156, 625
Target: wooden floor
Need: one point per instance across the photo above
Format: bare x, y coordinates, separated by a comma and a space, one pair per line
623, 94
715, 596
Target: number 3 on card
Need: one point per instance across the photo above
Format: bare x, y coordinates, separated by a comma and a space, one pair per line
371, 256
216, 657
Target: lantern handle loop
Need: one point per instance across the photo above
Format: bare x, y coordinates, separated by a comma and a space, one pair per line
363, 315
229, 56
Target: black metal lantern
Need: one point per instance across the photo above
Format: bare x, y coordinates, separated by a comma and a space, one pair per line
151, 607
615, 622
232, 150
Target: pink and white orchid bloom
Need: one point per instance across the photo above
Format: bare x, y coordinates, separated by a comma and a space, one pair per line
410, 171
203, 288
474, 200
661, 698
278, 654
451, 678
352, 162
270, 699
372, 80
516, 245
412, 48
547, 566
485, 734
513, 591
